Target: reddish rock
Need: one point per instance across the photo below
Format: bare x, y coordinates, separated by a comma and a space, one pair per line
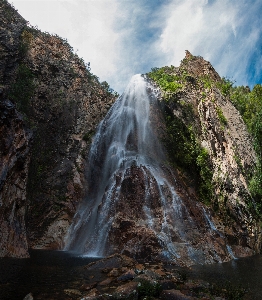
105, 282
139, 267
91, 295
113, 273
87, 287
160, 272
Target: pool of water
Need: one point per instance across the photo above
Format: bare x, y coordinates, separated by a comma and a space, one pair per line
47, 274
242, 272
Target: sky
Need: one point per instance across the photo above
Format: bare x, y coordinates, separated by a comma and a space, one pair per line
121, 38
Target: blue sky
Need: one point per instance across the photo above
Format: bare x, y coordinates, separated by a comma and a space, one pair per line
121, 38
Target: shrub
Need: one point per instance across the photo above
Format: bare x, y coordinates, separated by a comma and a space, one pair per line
221, 116
148, 289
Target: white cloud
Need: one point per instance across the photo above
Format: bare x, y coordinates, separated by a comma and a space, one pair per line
87, 25
215, 31
120, 38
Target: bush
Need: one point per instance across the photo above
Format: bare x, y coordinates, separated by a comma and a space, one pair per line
225, 86
221, 116
167, 80
148, 289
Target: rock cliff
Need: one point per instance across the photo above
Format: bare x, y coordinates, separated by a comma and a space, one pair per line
209, 146
15, 142
50, 106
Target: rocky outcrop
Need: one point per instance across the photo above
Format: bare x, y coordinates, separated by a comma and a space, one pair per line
67, 105
15, 140
119, 277
50, 106
14, 149
216, 164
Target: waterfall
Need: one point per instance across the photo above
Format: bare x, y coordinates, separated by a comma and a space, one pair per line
132, 204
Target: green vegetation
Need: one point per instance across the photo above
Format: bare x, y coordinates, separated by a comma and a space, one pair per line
108, 89
88, 135
148, 290
185, 152
225, 86
249, 105
221, 116
183, 149
205, 188
168, 81
228, 291
26, 39
207, 81
23, 89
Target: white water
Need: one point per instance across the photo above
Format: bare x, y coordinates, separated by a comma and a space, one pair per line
125, 138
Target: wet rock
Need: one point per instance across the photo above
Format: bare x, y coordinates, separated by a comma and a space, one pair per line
160, 272
129, 275
92, 295
154, 274
112, 262
105, 282
72, 292
87, 287
113, 273
143, 277
15, 156
29, 297
139, 267
168, 284
174, 295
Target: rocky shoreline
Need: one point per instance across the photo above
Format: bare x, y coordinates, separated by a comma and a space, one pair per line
121, 277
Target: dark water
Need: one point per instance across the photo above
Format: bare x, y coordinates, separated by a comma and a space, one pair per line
45, 274
243, 272
48, 273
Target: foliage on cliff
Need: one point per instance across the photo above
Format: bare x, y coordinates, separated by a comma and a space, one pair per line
249, 104
186, 127
183, 146
186, 153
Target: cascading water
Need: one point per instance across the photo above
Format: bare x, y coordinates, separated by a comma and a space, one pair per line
131, 203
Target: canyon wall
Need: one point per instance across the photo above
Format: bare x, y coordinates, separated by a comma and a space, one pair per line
213, 154
51, 105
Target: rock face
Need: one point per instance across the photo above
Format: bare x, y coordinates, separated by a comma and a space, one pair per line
15, 143
67, 105
15, 146
203, 112
51, 105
